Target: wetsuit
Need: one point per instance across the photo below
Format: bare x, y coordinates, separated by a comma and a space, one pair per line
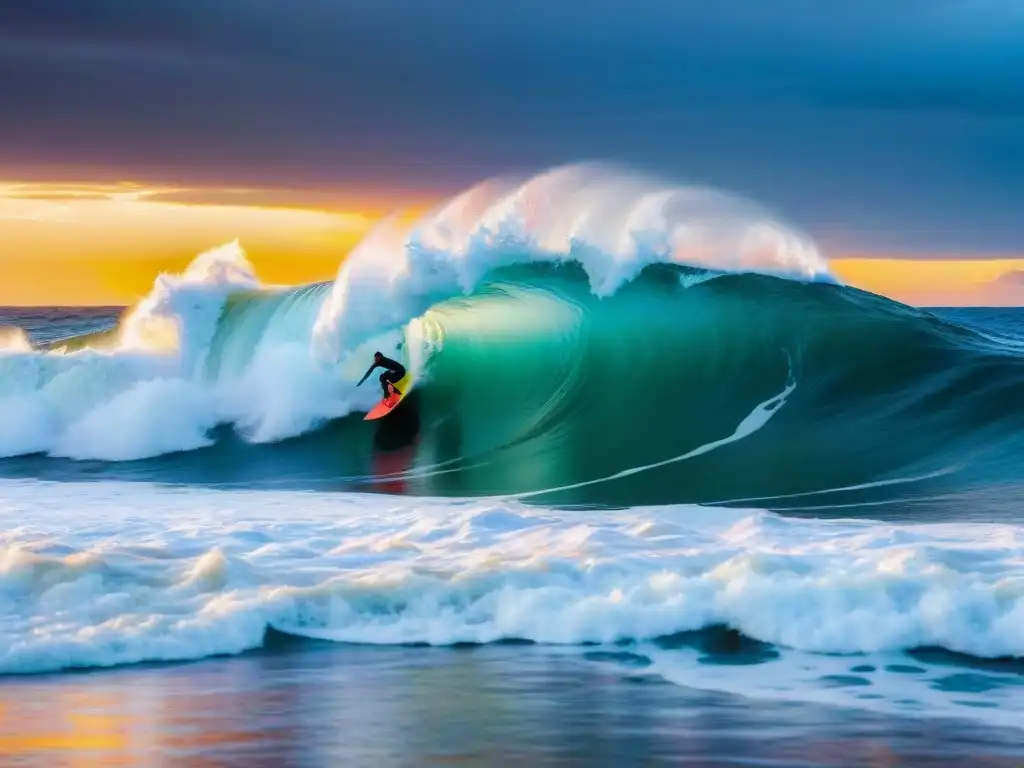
395, 373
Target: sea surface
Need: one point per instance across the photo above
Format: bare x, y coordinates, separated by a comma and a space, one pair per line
664, 492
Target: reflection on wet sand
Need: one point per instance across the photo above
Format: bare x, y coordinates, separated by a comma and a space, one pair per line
66, 721
317, 704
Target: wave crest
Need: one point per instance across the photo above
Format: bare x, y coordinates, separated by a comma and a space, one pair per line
611, 221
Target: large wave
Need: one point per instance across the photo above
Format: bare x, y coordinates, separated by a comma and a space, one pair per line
585, 336
212, 346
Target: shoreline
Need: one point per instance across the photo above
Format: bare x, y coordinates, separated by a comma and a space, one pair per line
314, 703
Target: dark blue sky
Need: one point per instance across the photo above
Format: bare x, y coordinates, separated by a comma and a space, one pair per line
883, 125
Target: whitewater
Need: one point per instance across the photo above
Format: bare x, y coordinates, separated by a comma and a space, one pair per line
824, 509
104, 574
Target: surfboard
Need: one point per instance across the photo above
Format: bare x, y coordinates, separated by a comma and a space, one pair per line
388, 404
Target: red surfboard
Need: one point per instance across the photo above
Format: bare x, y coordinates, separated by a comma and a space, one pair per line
389, 403
383, 408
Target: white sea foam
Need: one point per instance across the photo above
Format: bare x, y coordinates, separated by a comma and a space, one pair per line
149, 393
107, 574
180, 313
139, 398
13, 340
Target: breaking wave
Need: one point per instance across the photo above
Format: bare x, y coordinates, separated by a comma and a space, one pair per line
586, 336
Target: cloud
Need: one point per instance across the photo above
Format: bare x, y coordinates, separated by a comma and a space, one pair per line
1013, 279
272, 198
1005, 290
896, 124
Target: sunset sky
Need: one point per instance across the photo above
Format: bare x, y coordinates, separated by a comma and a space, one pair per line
137, 134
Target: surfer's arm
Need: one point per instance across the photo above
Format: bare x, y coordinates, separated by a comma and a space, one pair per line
367, 374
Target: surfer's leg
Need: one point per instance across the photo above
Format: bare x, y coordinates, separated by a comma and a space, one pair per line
395, 377
387, 383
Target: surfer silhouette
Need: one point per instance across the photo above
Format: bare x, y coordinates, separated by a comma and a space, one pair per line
394, 372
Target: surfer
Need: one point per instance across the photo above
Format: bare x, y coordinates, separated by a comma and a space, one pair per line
394, 373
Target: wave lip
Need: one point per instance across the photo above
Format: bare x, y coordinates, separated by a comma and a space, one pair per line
611, 221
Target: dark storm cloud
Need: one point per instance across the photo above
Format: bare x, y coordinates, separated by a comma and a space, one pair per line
874, 124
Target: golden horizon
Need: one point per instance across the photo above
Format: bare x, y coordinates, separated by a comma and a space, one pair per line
103, 244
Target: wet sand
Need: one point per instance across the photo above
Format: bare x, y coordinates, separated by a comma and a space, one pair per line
313, 704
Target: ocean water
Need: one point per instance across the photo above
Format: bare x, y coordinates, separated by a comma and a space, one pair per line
656, 460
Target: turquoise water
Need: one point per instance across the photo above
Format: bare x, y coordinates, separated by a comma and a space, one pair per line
532, 385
